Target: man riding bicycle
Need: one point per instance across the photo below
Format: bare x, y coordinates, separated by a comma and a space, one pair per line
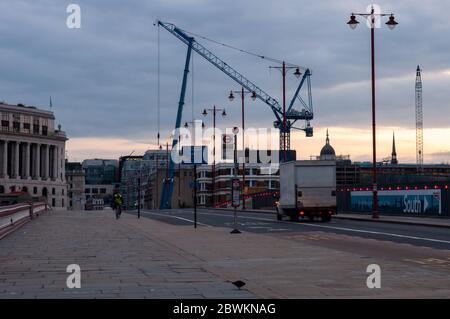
117, 204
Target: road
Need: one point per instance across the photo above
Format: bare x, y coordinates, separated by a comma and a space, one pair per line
342, 230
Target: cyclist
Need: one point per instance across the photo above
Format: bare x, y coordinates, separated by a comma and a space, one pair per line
117, 204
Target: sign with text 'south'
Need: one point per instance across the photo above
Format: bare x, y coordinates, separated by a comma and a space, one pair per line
420, 201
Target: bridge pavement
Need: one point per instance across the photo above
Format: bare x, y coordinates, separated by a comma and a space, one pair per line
146, 258
117, 258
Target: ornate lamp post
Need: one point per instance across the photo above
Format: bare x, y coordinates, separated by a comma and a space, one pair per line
391, 24
214, 111
242, 92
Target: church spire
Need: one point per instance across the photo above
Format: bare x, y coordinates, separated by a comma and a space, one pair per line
394, 151
328, 139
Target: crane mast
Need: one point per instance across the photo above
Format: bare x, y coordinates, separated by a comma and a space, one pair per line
419, 121
292, 115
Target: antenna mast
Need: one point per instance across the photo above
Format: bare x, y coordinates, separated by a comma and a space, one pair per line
419, 122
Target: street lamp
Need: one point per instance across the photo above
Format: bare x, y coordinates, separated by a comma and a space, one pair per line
139, 190
243, 92
214, 111
235, 189
391, 24
186, 125
297, 74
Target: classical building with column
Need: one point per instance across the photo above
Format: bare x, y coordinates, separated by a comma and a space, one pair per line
32, 154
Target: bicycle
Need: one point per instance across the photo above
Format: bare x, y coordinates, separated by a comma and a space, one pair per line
118, 211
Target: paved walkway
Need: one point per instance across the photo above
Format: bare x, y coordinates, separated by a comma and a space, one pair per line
144, 258
117, 260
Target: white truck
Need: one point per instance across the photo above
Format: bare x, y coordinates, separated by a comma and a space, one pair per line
307, 190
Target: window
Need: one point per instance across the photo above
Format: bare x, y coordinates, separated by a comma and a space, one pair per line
62, 191
35, 125
53, 202
35, 190
95, 191
26, 127
44, 130
5, 124
16, 126
53, 191
87, 191
102, 190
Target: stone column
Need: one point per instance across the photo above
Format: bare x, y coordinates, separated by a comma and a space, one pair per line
16, 160
57, 150
46, 161
27, 160
5, 159
62, 162
55, 163
22, 160
38, 161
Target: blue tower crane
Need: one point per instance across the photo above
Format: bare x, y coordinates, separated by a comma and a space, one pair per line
292, 115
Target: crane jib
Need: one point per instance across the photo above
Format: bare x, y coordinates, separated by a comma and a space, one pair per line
224, 67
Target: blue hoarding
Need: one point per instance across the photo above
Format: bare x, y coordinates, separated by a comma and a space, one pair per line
408, 202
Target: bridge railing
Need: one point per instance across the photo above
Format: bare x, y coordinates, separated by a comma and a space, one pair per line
14, 216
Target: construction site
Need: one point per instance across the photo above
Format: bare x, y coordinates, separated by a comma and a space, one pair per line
171, 185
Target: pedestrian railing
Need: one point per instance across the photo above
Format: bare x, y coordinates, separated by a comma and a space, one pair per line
14, 216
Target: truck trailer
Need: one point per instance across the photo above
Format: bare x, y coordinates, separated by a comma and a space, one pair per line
307, 190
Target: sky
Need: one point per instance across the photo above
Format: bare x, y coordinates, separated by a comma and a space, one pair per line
103, 77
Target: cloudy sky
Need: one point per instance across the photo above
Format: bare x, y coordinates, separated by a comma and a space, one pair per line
103, 76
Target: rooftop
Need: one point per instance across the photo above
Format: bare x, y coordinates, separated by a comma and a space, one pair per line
31, 110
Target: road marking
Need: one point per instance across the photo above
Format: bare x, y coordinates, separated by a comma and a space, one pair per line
177, 217
436, 262
379, 233
342, 228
